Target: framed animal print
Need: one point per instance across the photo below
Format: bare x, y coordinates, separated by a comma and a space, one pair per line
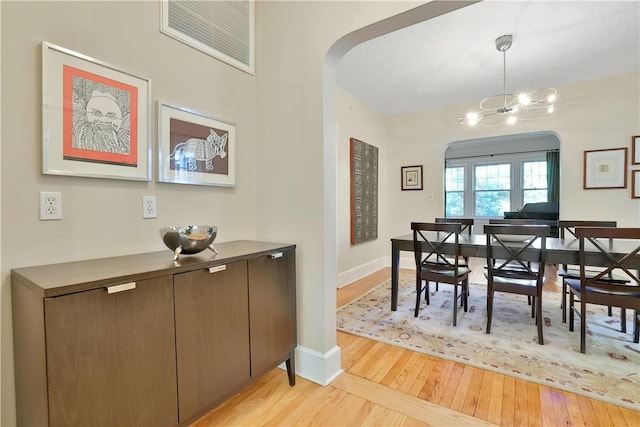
95, 118
195, 148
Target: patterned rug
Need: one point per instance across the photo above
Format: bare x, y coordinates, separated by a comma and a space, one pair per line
609, 371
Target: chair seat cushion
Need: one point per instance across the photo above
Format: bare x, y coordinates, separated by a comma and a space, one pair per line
512, 280
575, 284
573, 273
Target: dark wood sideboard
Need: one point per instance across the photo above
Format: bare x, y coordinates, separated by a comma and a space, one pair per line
144, 340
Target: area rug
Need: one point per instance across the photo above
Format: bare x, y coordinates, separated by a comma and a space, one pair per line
609, 371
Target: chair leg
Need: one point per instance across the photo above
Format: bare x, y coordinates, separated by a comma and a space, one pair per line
538, 303
489, 309
532, 301
418, 292
455, 304
623, 320
465, 294
563, 303
571, 313
583, 325
636, 326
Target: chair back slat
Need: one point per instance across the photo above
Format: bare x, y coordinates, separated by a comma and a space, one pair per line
513, 221
619, 262
509, 260
568, 226
467, 223
431, 252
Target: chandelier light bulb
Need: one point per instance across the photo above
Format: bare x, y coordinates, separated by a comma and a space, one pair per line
506, 108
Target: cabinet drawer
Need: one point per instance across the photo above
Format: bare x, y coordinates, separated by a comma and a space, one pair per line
272, 309
212, 330
111, 357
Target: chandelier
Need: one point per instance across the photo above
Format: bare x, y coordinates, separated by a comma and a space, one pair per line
507, 109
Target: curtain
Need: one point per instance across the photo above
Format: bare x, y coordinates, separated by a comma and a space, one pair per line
553, 176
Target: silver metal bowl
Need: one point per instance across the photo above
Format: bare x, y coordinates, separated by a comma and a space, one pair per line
190, 239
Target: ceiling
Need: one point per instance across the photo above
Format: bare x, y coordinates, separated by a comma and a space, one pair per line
453, 59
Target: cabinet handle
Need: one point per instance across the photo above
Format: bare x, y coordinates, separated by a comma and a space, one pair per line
217, 268
277, 255
119, 288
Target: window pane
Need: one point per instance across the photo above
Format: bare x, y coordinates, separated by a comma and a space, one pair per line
455, 203
534, 196
534, 175
492, 203
454, 179
493, 177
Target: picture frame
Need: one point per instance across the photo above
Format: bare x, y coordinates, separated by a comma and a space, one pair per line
605, 169
411, 177
364, 191
195, 148
635, 150
635, 184
95, 118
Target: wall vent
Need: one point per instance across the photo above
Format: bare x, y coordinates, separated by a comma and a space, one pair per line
222, 29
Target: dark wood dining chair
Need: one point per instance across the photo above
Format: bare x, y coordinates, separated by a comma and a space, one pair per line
467, 227
516, 267
598, 289
432, 265
567, 231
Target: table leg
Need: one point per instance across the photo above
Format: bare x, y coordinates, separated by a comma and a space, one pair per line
395, 260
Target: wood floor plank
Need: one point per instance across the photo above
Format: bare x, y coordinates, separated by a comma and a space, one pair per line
486, 389
495, 399
507, 417
534, 415
451, 386
409, 405
457, 403
573, 409
520, 404
471, 399
402, 370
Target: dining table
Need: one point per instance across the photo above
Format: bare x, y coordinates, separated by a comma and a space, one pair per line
558, 251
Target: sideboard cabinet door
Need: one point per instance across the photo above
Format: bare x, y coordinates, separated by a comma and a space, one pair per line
212, 331
272, 311
111, 356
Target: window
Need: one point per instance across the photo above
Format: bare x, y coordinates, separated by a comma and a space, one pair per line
454, 191
494, 184
492, 189
534, 182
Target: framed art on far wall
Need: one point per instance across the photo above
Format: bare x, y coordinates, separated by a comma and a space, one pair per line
95, 118
635, 150
605, 168
195, 148
635, 184
411, 177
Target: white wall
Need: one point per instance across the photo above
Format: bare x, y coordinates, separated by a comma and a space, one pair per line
589, 115
356, 120
103, 217
299, 44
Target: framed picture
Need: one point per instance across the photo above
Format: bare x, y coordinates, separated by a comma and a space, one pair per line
195, 148
635, 184
411, 177
364, 191
95, 118
635, 150
605, 168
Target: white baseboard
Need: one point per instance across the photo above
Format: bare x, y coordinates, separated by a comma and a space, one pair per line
361, 271
318, 367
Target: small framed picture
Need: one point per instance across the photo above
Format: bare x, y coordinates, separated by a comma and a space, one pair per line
411, 177
195, 148
605, 168
635, 150
95, 118
635, 185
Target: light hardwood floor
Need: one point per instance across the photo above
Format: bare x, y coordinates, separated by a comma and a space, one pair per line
385, 385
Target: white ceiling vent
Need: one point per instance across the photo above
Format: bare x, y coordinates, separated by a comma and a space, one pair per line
222, 29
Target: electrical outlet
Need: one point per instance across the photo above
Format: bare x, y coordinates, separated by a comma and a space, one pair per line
149, 207
50, 205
